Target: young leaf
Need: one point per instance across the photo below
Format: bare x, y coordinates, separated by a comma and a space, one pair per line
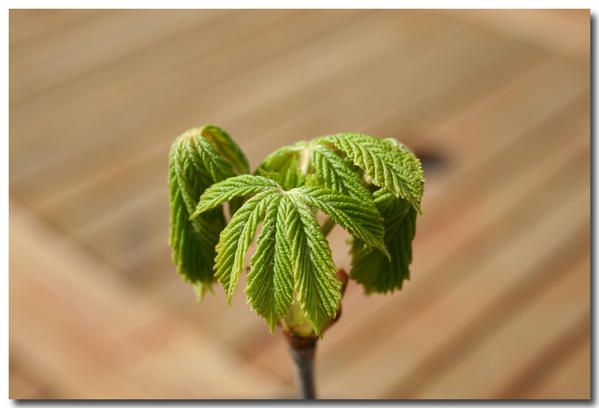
292, 268
193, 243
369, 266
336, 173
204, 154
390, 166
235, 240
230, 188
270, 280
284, 166
317, 288
227, 147
360, 217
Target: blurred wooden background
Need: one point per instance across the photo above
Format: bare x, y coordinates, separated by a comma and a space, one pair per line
499, 301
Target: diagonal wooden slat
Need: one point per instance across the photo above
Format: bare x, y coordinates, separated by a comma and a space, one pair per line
29, 26
405, 346
177, 93
492, 365
87, 320
568, 35
564, 382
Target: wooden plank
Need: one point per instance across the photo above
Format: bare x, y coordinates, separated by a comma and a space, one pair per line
135, 347
31, 25
219, 94
490, 366
417, 82
570, 380
151, 162
70, 54
481, 175
118, 187
411, 121
551, 358
457, 125
67, 205
564, 32
23, 386
240, 86
402, 349
157, 64
145, 205
180, 88
474, 129
340, 94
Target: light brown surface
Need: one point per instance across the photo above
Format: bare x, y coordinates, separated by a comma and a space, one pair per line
499, 301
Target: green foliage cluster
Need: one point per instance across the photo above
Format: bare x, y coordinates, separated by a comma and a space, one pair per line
370, 187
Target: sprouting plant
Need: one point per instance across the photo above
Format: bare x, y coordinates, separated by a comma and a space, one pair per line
370, 187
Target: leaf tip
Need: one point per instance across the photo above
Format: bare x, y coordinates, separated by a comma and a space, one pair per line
385, 252
200, 289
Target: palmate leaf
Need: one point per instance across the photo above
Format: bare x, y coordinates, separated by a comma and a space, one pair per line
390, 166
370, 267
316, 285
290, 166
371, 187
236, 239
228, 189
227, 148
270, 280
292, 255
336, 173
194, 164
359, 218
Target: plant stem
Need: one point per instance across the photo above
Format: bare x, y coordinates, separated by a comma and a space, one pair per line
327, 226
302, 350
302, 342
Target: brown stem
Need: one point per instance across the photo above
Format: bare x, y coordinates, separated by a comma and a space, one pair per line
302, 350
327, 226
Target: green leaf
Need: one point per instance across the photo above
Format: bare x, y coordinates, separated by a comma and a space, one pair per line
230, 188
227, 147
316, 286
369, 266
270, 280
359, 217
205, 155
284, 166
389, 166
336, 173
193, 165
236, 239
292, 255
